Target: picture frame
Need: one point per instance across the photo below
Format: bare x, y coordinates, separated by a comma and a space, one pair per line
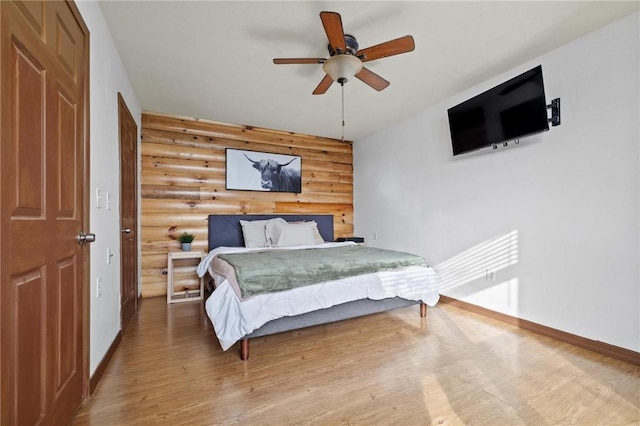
262, 171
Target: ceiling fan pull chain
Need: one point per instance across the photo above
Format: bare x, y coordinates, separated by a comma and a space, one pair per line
342, 112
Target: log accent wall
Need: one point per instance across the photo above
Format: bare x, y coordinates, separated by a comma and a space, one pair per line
183, 181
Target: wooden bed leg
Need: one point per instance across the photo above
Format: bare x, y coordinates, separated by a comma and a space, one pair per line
423, 309
244, 349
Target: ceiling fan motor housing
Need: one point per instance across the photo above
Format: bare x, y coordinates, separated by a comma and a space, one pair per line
351, 44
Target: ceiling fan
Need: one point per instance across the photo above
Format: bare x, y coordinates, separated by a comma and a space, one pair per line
345, 58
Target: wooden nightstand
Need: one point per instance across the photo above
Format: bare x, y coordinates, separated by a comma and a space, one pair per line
183, 295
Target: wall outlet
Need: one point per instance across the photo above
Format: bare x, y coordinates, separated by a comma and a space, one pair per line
375, 235
490, 276
98, 287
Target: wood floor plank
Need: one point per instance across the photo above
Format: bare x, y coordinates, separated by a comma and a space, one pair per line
452, 368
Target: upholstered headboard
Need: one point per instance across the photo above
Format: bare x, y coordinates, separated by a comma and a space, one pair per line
225, 229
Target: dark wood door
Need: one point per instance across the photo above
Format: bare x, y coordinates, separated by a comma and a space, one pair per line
43, 141
128, 212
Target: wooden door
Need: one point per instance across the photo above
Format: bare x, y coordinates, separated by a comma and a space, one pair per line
43, 159
128, 212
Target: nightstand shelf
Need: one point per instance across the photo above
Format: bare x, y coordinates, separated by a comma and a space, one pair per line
185, 295
359, 240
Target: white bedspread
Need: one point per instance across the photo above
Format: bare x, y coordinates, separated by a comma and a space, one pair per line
234, 318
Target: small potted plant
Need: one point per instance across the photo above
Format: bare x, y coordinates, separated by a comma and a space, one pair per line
185, 239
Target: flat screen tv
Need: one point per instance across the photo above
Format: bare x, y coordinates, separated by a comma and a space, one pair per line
509, 111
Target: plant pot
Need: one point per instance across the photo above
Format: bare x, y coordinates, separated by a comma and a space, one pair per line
186, 246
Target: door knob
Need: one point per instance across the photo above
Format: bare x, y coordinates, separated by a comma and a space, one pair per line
84, 237
126, 230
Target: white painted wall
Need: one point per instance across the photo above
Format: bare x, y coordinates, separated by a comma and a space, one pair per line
108, 77
557, 216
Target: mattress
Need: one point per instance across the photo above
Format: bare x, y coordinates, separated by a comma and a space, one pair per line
233, 317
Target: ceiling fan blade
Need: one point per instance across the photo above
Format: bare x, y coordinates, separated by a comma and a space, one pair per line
389, 48
333, 27
281, 61
324, 85
372, 79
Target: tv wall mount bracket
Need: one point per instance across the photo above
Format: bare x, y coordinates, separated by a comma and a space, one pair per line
555, 112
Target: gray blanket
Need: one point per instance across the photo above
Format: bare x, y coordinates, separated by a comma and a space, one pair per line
278, 270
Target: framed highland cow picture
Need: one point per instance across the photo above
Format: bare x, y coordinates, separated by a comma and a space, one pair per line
263, 171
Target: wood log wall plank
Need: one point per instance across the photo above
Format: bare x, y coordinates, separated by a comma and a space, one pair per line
183, 181
247, 135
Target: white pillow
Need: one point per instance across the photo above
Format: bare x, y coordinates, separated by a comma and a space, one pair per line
316, 232
254, 233
272, 232
291, 234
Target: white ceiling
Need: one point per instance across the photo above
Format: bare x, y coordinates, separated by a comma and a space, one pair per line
213, 59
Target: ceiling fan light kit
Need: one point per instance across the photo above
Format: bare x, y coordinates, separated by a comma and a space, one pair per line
342, 68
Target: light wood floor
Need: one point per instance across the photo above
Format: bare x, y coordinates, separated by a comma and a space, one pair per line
451, 368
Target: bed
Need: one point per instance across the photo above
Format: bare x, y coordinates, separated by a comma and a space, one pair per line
239, 317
